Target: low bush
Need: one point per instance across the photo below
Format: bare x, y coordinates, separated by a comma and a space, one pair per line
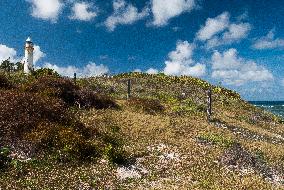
71, 94
216, 139
4, 157
54, 87
167, 98
188, 106
65, 143
20, 110
38, 123
109, 133
44, 122
44, 72
5, 83
150, 106
89, 99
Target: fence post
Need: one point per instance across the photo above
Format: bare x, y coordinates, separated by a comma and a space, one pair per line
128, 88
75, 77
209, 104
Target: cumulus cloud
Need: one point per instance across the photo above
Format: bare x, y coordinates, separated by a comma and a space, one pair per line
83, 11
228, 60
220, 31
181, 63
163, 10
234, 70
91, 69
236, 32
124, 13
46, 9
269, 42
7, 52
152, 71
213, 26
38, 54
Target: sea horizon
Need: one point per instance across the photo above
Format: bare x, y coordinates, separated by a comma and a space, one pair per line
276, 107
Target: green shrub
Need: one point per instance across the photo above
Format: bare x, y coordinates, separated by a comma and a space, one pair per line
44, 125
4, 159
54, 87
167, 98
42, 72
43, 121
70, 93
216, 139
188, 106
87, 98
5, 83
67, 143
113, 139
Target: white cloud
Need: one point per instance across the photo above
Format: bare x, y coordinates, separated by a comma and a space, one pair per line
46, 9
89, 70
82, 11
213, 26
234, 70
124, 14
38, 54
236, 32
197, 70
163, 10
180, 61
93, 70
152, 71
65, 71
268, 42
220, 31
228, 60
6, 53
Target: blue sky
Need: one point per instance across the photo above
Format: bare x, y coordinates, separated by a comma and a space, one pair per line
238, 43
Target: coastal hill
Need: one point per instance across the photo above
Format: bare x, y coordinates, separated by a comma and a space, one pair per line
88, 133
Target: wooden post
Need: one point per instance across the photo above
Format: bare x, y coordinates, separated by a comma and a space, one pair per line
128, 88
209, 105
75, 77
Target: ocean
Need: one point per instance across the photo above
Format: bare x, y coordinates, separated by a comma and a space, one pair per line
276, 107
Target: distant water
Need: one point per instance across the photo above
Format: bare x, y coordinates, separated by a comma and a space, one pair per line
276, 107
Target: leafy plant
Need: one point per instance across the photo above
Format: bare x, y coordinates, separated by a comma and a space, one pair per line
216, 139
45, 72
4, 159
87, 98
5, 83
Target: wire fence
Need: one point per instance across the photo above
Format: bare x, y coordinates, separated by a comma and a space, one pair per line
151, 87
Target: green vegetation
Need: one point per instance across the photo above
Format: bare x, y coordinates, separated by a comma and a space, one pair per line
9, 66
57, 134
217, 139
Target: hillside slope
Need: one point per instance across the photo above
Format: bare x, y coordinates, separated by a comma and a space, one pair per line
157, 139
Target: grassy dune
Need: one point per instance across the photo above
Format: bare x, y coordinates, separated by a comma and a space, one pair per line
157, 139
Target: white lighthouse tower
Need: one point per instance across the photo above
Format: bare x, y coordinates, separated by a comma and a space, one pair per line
29, 55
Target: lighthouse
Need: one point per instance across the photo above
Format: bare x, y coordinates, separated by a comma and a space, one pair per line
29, 54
